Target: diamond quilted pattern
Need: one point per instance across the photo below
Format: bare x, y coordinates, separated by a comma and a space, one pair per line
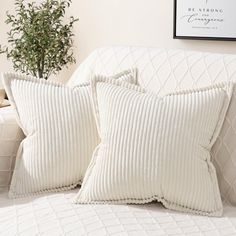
54, 214
10, 138
224, 155
161, 71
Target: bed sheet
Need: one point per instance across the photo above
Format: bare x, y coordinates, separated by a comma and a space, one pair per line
54, 214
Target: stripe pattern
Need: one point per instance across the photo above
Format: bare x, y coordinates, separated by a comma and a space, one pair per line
156, 148
60, 131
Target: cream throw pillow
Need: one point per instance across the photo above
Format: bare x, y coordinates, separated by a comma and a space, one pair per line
156, 148
60, 131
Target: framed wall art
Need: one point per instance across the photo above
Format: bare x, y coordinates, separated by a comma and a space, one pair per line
205, 19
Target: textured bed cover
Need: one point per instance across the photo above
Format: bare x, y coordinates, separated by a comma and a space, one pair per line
54, 214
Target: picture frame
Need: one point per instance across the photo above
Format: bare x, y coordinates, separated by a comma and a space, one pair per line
205, 20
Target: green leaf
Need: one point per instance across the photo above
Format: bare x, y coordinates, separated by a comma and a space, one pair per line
40, 43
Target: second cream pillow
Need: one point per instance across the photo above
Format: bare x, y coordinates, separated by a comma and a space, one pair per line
156, 148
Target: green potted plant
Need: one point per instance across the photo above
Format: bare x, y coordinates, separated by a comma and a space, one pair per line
39, 42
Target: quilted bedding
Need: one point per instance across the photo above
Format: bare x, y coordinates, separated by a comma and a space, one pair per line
161, 71
54, 214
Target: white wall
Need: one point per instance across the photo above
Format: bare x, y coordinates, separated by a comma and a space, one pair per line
125, 22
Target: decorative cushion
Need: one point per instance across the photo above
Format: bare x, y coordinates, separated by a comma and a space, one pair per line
167, 70
156, 148
61, 133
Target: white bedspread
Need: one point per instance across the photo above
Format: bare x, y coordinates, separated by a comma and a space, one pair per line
54, 214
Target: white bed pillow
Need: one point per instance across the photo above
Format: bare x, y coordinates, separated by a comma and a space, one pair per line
60, 131
156, 148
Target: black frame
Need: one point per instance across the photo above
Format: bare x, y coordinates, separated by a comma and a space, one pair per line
194, 37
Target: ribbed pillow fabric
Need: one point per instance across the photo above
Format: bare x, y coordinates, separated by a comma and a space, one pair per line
156, 148
60, 131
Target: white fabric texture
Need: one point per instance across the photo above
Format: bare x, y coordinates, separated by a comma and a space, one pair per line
54, 214
156, 148
10, 137
224, 154
166, 70
61, 133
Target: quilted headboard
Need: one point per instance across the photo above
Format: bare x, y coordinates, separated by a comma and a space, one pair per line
160, 70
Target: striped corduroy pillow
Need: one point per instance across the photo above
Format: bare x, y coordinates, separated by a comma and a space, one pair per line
156, 148
60, 130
